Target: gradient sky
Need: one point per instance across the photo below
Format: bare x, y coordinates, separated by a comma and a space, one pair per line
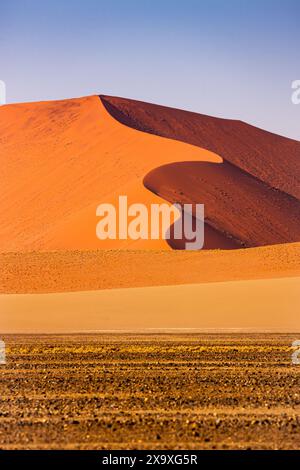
229, 58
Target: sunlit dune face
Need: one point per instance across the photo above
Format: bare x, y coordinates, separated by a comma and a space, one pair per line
61, 159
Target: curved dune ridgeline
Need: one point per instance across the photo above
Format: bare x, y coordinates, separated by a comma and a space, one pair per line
251, 198
269, 157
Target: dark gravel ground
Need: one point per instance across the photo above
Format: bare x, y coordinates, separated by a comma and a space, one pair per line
125, 391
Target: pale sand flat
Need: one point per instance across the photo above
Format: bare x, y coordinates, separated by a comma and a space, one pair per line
270, 304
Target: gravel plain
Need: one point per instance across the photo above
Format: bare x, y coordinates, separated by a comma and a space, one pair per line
150, 391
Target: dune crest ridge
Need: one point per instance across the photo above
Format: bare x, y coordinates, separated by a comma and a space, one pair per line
269, 157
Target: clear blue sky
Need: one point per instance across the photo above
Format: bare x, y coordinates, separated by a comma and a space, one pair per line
230, 58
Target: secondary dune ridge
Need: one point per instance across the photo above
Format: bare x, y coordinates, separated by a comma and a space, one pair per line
61, 271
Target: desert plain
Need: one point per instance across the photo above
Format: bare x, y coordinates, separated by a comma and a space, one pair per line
150, 391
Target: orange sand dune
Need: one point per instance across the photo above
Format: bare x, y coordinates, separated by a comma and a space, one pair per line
61, 271
59, 160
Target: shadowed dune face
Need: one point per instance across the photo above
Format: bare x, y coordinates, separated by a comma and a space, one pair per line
238, 207
251, 198
213, 239
269, 157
